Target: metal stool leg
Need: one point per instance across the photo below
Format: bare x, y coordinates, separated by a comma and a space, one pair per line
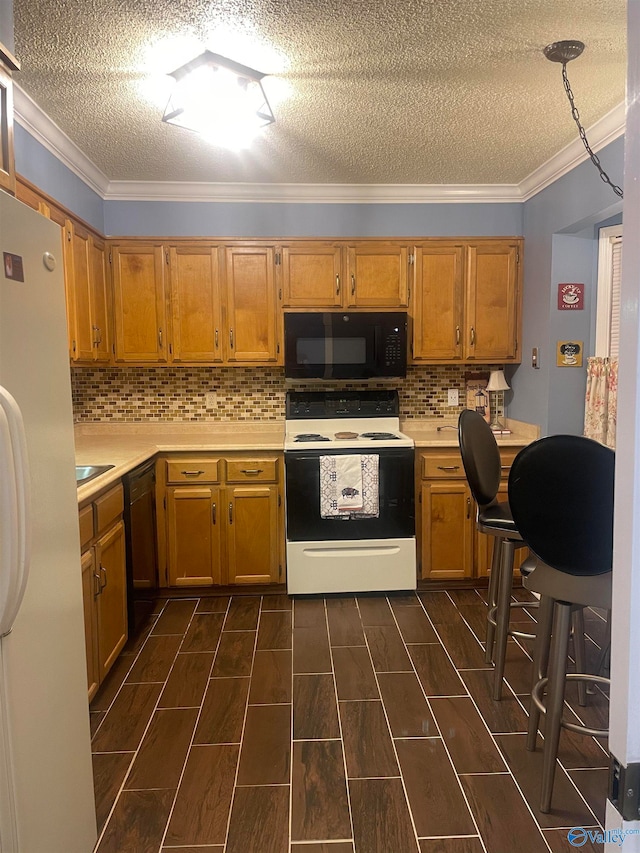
555, 699
540, 663
579, 652
492, 598
503, 612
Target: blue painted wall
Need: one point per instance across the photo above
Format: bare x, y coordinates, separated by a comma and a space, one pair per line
215, 219
35, 163
568, 211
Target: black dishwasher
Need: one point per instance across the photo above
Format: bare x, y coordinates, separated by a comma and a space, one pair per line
140, 537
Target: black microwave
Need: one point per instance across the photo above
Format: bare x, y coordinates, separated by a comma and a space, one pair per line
345, 345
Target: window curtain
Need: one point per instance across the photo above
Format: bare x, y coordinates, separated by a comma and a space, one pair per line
601, 403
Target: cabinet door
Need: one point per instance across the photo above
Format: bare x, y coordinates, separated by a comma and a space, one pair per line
252, 534
437, 300
100, 300
195, 303
194, 520
76, 266
311, 276
139, 303
251, 305
112, 600
448, 525
492, 310
376, 276
90, 589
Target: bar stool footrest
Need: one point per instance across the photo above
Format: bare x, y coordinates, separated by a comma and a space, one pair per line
519, 635
536, 696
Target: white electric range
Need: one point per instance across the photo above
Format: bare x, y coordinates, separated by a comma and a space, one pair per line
350, 503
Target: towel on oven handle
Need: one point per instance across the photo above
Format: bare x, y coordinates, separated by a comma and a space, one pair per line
349, 486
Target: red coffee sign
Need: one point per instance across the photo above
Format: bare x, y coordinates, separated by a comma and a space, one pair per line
570, 297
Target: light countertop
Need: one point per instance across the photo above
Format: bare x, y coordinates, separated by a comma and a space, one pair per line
125, 446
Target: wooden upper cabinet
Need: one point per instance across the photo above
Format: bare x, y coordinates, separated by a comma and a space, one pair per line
492, 304
8, 64
376, 276
311, 276
438, 295
139, 303
195, 303
100, 300
76, 267
250, 334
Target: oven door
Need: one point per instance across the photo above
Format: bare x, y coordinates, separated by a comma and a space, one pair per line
396, 518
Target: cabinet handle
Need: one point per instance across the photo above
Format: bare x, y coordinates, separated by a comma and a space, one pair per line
251, 470
213, 513
337, 284
457, 336
99, 331
160, 338
97, 586
231, 338
216, 339
473, 337
353, 285
192, 473
103, 571
505, 467
448, 467
230, 513
468, 507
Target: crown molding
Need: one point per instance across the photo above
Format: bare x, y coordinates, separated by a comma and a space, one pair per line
33, 119
312, 193
604, 131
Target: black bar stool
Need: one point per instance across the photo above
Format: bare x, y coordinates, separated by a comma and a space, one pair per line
481, 460
561, 497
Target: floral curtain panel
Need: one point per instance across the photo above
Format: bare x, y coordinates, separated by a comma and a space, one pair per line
601, 403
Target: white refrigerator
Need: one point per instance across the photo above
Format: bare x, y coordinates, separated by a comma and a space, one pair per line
46, 783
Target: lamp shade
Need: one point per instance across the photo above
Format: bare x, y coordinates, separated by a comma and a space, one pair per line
497, 381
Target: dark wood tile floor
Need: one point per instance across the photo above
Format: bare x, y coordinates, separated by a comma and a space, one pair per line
258, 724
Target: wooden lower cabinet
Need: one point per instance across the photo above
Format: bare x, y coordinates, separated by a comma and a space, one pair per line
193, 535
450, 546
104, 587
221, 519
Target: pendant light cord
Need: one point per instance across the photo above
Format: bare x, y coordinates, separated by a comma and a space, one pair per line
583, 136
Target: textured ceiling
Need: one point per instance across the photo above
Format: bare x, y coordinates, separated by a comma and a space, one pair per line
394, 92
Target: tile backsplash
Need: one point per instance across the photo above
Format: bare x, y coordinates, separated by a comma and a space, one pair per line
133, 394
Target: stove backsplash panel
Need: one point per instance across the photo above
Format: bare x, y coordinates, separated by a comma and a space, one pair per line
161, 394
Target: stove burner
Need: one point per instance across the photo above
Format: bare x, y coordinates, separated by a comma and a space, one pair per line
310, 436
380, 436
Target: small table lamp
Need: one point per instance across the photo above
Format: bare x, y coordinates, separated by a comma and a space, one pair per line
496, 387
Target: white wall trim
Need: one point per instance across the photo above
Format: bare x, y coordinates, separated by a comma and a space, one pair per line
30, 116
33, 119
604, 131
606, 237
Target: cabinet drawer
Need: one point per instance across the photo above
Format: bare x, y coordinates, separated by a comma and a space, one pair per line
252, 470
86, 525
449, 466
108, 508
193, 471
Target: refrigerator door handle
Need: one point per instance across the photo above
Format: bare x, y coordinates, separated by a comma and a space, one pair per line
15, 515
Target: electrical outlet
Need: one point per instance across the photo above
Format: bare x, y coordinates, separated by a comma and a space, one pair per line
210, 400
452, 397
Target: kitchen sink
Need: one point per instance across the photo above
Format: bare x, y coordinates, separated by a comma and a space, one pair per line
84, 473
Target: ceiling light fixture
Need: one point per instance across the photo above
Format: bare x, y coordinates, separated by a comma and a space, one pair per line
565, 51
218, 98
